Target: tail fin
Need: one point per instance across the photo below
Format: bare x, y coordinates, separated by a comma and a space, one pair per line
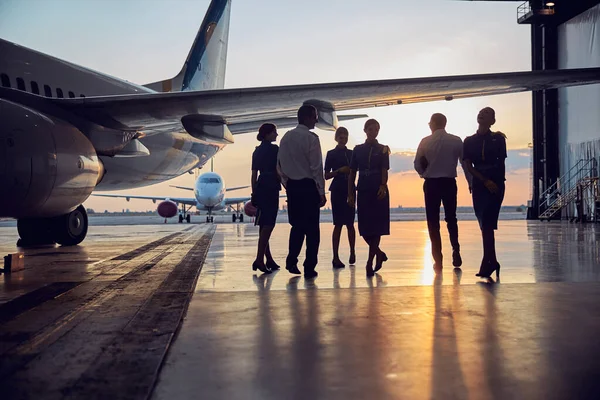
204, 68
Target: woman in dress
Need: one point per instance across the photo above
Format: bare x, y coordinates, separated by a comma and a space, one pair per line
265, 194
484, 154
372, 161
337, 166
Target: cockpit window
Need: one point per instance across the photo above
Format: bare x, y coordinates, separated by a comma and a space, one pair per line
209, 180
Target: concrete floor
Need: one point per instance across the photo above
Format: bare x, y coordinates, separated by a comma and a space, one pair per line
94, 321
405, 333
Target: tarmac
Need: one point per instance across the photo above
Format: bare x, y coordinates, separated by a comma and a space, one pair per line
170, 311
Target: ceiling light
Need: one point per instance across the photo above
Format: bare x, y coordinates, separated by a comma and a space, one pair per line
550, 4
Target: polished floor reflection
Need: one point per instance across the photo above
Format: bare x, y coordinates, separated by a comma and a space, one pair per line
528, 251
405, 333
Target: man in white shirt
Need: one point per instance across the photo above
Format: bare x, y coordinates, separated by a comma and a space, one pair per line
300, 164
436, 161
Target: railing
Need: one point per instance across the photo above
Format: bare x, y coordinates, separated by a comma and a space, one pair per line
524, 11
564, 191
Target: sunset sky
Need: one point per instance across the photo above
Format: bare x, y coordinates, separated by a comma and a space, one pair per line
274, 42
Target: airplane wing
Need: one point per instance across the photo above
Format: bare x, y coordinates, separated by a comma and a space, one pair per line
182, 187
250, 105
182, 200
236, 188
236, 200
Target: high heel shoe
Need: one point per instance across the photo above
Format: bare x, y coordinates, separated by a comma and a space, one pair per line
352, 259
261, 268
272, 265
486, 270
337, 264
369, 269
381, 258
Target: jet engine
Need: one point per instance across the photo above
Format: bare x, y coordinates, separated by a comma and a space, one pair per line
249, 209
167, 209
47, 166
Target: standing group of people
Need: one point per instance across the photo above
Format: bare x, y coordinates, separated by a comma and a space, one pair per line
297, 165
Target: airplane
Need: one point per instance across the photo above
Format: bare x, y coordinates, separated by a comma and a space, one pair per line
68, 130
209, 195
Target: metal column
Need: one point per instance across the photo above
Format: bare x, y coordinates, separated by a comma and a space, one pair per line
546, 165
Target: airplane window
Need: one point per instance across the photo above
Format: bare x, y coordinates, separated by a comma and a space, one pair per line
34, 87
47, 91
20, 84
59, 93
5, 80
71, 95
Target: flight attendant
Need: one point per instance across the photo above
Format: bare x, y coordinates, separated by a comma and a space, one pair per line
484, 154
372, 161
265, 194
337, 167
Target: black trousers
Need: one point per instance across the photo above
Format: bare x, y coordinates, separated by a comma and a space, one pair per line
441, 191
303, 202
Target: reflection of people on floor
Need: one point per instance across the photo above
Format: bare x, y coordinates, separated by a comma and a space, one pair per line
337, 167
484, 155
437, 157
265, 194
372, 161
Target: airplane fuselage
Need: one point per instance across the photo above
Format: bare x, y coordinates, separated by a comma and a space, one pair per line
173, 151
209, 191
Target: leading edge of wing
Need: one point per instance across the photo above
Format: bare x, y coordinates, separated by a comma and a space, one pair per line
182, 200
144, 108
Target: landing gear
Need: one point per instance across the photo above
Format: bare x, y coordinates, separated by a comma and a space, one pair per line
209, 219
183, 215
70, 229
235, 217
67, 230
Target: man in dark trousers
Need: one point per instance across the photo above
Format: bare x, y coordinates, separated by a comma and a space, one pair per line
436, 160
300, 164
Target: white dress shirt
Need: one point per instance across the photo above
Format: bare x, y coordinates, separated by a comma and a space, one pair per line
300, 157
442, 151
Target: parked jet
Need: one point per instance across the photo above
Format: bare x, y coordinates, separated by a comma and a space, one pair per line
68, 130
209, 195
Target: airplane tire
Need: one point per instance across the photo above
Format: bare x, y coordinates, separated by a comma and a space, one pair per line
70, 229
233, 218
180, 218
241, 217
188, 218
212, 219
34, 231
207, 220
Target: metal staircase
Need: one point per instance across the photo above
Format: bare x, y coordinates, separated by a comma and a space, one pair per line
579, 178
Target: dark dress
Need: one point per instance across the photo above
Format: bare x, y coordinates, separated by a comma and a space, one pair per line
487, 152
369, 159
343, 214
266, 193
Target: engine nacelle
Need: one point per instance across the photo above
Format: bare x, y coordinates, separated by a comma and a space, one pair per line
328, 119
249, 209
167, 209
47, 166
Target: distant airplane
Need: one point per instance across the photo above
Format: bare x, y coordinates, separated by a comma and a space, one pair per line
209, 195
68, 130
